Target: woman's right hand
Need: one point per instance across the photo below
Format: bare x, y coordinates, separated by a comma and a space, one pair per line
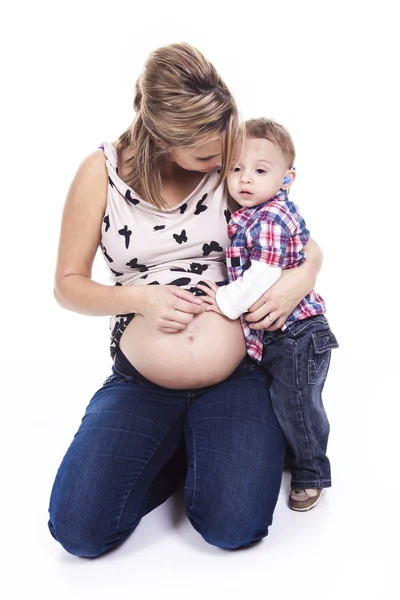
168, 307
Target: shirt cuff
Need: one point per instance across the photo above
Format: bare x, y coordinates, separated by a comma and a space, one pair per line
225, 304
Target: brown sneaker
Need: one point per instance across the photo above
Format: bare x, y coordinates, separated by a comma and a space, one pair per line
302, 500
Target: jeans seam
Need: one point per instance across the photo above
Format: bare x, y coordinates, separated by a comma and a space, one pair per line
194, 462
144, 466
302, 415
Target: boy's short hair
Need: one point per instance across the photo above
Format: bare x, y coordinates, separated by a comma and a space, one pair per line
274, 132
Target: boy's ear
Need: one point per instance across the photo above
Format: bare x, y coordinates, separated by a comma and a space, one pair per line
289, 178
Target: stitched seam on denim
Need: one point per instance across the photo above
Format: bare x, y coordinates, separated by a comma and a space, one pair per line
144, 466
235, 417
310, 482
133, 378
120, 412
312, 368
194, 461
302, 416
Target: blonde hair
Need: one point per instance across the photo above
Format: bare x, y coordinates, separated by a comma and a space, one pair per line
180, 102
274, 132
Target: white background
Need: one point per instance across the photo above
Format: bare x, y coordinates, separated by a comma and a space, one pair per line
329, 72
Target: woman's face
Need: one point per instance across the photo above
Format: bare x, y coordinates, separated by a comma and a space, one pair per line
204, 158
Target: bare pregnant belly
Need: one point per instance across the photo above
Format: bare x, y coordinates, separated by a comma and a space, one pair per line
205, 353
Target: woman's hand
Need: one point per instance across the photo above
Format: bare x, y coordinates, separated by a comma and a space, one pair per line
273, 308
168, 307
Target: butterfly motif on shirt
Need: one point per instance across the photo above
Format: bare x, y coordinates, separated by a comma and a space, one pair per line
199, 206
106, 221
211, 247
104, 250
133, 264
127, 235
182, 237
197, 268
128, 196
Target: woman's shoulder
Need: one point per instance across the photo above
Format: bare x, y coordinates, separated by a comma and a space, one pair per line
91, 180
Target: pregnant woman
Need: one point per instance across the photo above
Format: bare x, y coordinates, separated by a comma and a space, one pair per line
183, 399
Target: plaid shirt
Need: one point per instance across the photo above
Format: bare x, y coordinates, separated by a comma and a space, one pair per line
275, 233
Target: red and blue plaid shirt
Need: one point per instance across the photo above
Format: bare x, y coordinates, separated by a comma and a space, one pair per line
275, 233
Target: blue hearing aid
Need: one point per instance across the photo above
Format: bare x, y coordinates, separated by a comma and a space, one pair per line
286, 180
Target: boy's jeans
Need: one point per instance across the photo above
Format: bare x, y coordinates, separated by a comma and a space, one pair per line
298, 361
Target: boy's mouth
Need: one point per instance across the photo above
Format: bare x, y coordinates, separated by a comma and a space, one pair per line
246, 193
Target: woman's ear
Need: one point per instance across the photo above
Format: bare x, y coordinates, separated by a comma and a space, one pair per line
160, 144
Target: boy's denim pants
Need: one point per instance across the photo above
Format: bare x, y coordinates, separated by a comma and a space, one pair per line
298, 361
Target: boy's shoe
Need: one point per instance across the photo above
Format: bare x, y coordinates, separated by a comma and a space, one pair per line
302, 500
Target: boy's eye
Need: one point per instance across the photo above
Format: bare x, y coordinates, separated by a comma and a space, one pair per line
260, 171
236, 169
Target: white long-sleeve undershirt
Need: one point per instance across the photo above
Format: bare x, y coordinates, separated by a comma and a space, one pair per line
236, 298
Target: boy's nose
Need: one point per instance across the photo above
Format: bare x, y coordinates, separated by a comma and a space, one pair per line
245, 177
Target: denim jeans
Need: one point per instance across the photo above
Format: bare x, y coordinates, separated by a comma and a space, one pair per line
138, 441
298, 361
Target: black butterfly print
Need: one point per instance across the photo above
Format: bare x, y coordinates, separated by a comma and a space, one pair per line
212, 247
133, 264
196, 291
159, 227
104, 249
106, 220
118, 283
144, 276
110, 181
128, 196
183, 208
181, 281
198, 268
115, 272
199, 206
228, 215
154, 283
178, 269
180, 238
127, 234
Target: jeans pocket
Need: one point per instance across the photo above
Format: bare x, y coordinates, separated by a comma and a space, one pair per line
319, 355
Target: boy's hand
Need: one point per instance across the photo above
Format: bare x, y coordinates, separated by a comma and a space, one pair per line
210, 289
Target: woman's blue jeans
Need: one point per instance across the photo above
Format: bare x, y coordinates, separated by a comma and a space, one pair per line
138, 441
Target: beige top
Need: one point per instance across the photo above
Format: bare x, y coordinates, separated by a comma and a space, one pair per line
143, 245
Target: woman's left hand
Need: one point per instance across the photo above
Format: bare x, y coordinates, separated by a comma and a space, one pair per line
273, 308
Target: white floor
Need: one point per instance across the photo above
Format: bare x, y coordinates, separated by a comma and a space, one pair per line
328, 72
345, 548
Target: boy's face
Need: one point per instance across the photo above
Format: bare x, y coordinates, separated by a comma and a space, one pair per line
258, 174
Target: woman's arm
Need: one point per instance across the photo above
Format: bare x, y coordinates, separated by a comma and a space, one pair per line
168, 307
280, 300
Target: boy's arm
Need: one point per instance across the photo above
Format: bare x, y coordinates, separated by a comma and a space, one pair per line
267, 240
235, 298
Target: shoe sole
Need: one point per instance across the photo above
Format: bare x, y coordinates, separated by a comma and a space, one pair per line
308, 507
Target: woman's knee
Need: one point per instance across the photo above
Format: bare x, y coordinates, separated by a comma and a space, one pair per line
83, 538
231, 530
